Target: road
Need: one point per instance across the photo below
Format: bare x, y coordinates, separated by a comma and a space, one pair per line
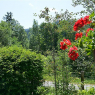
86, 86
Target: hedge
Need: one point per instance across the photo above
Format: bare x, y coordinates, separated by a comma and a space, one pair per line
20, 71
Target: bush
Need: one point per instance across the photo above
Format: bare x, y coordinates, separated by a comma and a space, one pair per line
20, 71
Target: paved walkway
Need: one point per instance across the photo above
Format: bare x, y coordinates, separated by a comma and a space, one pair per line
86, 86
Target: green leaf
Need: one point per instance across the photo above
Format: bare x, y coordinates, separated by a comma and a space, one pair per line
8, 71
90, 46
87, 49
91, 15
89, 53
80, 43
94, 34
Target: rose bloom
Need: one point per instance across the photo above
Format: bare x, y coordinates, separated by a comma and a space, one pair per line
78, 24
88, 31
81, 22
86, 20
65, 43
78, 35
72, 53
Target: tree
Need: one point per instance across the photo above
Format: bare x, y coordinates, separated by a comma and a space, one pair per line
5, 33
19, 33
48, 18
12, 32
7, 37
34, 43
22, 36
88, 4
8, 17
49, 36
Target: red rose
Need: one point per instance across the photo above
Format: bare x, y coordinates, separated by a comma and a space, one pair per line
78, 24
86, 20
88, 30
78, 35
72, 53
65, 43
73, 48
81, 22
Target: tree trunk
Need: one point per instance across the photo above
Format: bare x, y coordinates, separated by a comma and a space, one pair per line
82, 80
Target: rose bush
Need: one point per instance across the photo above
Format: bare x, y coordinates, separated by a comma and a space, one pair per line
86, 41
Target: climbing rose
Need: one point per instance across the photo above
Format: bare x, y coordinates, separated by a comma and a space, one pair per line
78, 24
65, 43
73, 48
78, 35
86, 20
72, 53
81, 22
88, 30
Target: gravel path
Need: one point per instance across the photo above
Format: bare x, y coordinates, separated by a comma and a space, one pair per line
86, 86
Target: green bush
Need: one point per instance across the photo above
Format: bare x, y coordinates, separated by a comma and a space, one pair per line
20, 71
91, 91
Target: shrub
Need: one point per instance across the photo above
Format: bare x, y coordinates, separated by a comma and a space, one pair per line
20, 71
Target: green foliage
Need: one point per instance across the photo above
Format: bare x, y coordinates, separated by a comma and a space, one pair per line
20, 71
88, 42
91, 91
48, 36
59, 62
13, 34
20, 34
81, 43
92, 25
91, 15
43, 90
5, 33
35, 38
65, 29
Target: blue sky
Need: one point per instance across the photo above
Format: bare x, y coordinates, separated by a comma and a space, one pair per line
23, 9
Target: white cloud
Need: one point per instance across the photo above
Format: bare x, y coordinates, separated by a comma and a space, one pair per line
31, 4
53, 10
